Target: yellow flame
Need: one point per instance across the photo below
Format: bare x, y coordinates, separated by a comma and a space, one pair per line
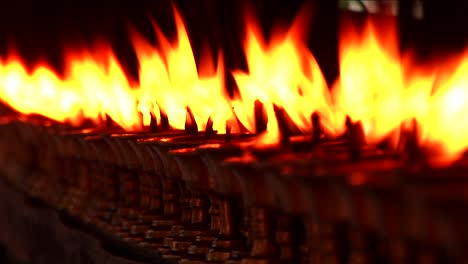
445, 121
95, 85
375, 87
170, 80
282, 73
88, 90
371, 82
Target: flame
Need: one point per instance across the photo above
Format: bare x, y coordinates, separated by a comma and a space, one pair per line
371, 80
95, 85
284, 73
170, 81
89, 89
114, 95
28, 93
376, 87
444, 123
384, 92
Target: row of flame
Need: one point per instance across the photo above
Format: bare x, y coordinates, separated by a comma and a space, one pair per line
375, 87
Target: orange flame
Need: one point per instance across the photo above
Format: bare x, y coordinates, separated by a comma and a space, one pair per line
371, 80
376, 87
444, 122
96, 85
170, 81
92, 87
284, 73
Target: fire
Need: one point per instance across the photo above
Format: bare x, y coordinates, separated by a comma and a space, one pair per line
284, 73
371, 80
445, 124
385, 92
28, 93
115, 98
170, 81
95, 85
376, 87
91, 88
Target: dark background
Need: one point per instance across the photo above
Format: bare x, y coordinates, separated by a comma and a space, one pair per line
39, 29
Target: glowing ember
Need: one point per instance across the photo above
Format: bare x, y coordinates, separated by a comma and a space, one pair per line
376, 87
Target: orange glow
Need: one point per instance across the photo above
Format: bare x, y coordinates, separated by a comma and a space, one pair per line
282, 72
371, 80
445, 123
92, 87
384, 92
376, 87
102, 87
95, 85
170, 81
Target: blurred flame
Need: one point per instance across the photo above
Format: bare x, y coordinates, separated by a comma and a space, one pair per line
371, 80
444, 123
376, 87
92, 87
95, 85
102, 87
170, 81
284, 73
384, 92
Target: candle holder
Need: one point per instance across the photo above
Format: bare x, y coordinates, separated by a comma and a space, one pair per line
259, 203
435, 198
175, 199
371, 184
202, 229
176, 244
26, 151
150, 198
229, 242
325, 220
48, 182
132, 212
292, 209
103, 169
71, 164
